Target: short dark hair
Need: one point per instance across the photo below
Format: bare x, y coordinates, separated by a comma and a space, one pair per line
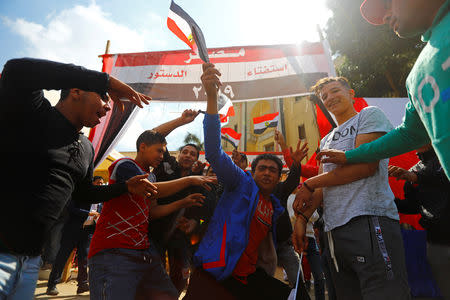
323, 81
97, 178
267, 156
191, 145
150, 137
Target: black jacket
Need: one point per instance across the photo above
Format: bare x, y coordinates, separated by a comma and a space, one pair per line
430, 197
45, 159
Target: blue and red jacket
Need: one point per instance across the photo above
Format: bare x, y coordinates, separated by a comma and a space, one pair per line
227, 235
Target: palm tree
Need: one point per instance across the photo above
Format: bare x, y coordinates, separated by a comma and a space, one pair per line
191, 138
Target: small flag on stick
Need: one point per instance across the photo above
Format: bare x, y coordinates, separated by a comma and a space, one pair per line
225, 108
264, 122
185, 28
231, 136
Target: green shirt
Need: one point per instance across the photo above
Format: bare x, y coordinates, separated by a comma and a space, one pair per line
427, 116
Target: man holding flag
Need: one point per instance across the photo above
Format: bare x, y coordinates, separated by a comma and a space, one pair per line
238, 249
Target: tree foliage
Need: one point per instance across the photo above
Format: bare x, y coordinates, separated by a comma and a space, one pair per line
373, 58
191, 138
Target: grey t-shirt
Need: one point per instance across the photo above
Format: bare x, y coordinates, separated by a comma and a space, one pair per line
368, 196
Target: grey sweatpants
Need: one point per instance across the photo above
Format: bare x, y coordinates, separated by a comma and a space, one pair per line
369, 260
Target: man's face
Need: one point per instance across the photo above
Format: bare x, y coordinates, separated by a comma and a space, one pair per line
153, 154
407, 18
91, 108
187, 157
337, 98
266, 175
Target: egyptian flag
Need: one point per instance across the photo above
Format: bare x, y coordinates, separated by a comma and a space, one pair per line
264, 122
185, 28
225, 108
230, 135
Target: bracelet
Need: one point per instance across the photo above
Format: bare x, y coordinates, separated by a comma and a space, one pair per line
308, 187
299, 213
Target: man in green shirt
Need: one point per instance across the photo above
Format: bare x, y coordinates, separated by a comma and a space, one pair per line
427, 116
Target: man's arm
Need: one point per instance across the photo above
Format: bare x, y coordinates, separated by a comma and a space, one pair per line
158, 211
227, 172
168, 188
186, 117
303, 213
410, 135
29, 74
36, 74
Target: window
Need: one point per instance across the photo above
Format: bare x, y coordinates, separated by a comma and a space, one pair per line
235, 128
299, 98
269, 147
301, 132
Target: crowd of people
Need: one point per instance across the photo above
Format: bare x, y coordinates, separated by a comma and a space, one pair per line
164, 224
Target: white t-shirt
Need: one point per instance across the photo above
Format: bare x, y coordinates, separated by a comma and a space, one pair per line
368, 196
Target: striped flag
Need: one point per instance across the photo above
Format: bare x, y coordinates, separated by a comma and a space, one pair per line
264, 122
185, 28
230, 135
225, 108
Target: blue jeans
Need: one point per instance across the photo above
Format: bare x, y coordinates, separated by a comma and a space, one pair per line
18, 276
123, 273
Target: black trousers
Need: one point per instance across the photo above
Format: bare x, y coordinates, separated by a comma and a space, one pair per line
73, 236
262, 286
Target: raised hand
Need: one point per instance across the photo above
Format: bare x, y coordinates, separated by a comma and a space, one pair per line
139, 185
332, 156
119, 90
211, 82
279, 138
186, 225
189, 115
300, 153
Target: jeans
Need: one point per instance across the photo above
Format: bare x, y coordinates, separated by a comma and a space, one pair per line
315, 263
288, 259
125, 273
18, 276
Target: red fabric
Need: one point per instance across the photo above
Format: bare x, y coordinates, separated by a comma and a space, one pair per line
306, 269
404, 161
259, 227
108, 61
359, 104
123, 222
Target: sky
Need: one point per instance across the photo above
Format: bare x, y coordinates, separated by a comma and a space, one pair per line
76, 32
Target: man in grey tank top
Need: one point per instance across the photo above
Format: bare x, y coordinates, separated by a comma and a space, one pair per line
361, 219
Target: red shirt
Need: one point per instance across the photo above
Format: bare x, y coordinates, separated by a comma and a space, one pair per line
259, 227
123, 222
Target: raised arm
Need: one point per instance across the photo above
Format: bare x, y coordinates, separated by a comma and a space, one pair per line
30, 74
227, 172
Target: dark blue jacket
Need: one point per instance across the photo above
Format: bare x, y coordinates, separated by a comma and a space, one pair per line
227, 235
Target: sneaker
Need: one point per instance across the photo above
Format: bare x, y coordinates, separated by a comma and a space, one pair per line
52, 291
83, 288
